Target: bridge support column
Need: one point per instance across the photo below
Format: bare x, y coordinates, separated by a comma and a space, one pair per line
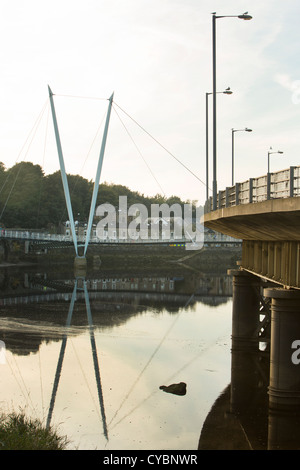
245, 341
80, 265
245, 308
284, 430
284, 386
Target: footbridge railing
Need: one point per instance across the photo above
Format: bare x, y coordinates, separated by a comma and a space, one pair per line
26, 235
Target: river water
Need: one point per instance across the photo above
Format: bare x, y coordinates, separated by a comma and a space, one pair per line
89, 355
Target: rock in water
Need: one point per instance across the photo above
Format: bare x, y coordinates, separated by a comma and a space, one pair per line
176, 389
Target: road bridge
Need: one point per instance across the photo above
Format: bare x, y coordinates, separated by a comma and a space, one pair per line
264, 213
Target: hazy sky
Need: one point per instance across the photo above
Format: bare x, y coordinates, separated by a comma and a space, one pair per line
156, 56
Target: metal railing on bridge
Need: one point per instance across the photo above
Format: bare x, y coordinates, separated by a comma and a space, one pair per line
27, 235
281, 184
42, 237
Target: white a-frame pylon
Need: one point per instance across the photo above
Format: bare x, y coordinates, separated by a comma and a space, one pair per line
65, 180
97, 179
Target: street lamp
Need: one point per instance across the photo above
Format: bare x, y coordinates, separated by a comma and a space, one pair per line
269, 153
244, 16
232, 148
225, 92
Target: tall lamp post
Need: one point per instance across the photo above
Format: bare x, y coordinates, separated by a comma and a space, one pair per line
269, 153
232, 149
225, 92
244, 16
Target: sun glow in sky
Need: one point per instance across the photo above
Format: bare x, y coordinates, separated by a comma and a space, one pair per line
156, 56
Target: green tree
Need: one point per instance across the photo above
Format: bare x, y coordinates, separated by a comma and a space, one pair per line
31, 200
20, 197
53, 200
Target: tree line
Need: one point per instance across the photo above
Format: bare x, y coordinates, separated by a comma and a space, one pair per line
30, 199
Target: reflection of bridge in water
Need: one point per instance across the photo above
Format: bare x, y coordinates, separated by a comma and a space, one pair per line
240, 417
175, 288
168, 289
175, 291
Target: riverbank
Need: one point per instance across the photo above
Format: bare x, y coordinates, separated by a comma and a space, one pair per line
18, 432
16, 264
208, 259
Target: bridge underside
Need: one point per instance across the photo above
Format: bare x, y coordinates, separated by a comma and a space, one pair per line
277, 261
270, 231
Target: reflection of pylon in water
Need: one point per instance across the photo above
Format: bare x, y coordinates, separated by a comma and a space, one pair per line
94, 353
2, 352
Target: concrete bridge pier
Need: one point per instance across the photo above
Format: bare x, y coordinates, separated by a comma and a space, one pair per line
284, 386
245, 309
80, 266
284, 430
245, 344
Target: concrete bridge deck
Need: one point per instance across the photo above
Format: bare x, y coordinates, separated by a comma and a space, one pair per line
274, 219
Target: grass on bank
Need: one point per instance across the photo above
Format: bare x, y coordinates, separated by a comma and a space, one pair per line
17, 432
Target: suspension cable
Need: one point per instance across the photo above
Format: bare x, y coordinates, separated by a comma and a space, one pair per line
170, 153
27, 139
33, 131
82, 97
140, 153
43, 164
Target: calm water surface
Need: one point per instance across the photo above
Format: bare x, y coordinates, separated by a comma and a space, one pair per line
93, 364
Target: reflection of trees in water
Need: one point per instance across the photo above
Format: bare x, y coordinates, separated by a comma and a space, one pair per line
25, 326
214, 301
